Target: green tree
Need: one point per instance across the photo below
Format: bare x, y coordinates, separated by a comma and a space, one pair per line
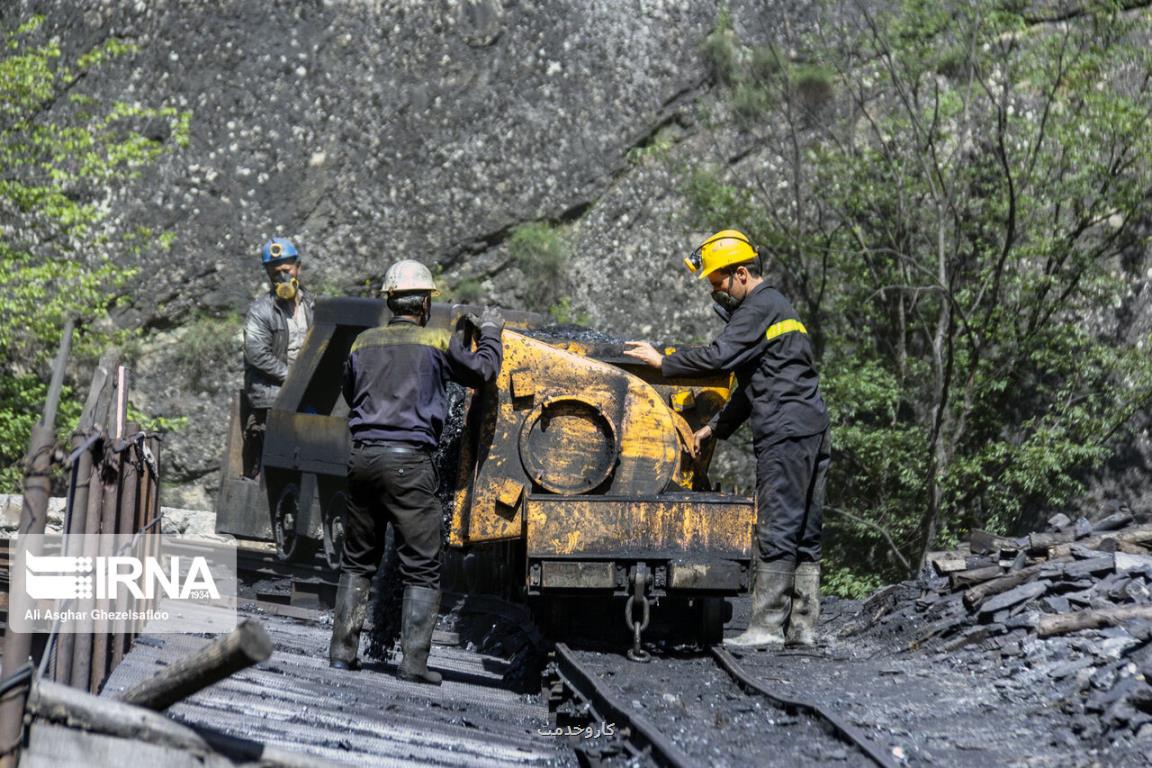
958, 189
62, 157
542, 252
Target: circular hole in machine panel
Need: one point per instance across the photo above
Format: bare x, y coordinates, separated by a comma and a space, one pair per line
568, 445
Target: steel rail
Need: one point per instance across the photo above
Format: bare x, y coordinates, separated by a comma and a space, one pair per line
610, 708
845, 730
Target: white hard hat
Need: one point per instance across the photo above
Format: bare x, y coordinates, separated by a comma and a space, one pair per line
408, 275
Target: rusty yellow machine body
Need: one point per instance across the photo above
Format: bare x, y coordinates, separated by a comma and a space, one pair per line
587, 458
575, 466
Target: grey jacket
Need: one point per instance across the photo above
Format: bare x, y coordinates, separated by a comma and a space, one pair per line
266, 347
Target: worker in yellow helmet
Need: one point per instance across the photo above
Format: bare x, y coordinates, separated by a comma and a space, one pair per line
767, 346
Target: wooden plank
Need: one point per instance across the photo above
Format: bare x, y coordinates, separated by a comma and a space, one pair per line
977, 594
983, 543
972, 576
1139, 534
248, 644
946, 562
1063, 623
59, 703
1113, 522
52, 746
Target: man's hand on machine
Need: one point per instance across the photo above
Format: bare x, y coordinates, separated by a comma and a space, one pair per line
492, 318
644, 352
698, 438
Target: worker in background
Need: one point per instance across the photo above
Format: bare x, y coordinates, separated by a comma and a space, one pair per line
274, 331
767, 347
395, 382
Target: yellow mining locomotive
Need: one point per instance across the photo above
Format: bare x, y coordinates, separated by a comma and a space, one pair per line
575, 477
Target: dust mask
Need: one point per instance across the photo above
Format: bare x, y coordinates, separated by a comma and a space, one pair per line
286, 286
726, 301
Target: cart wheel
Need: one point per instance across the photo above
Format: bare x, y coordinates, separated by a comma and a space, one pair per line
290, 546
713, 613
334, 529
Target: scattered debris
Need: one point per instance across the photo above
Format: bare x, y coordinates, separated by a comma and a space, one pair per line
1070, 606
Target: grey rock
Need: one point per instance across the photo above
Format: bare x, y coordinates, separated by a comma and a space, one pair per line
1069, 668
1104, 678
1083, 528
1119, 631
12, 504
1094, 566
1023, 620
173, 519
1012, 597
1115, 647
1113, 522
1126, 563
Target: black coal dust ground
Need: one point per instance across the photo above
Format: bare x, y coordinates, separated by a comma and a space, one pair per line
971, 707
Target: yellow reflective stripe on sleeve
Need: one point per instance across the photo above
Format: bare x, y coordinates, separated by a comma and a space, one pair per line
389, 335
785, 326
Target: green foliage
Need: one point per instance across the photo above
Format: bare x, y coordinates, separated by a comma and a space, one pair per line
563, 313
955, 234
655, 148
761, 80
720, 49
713, 200
207, 346
541, 252
814, 85
846, 582
149, 423
62, 155
467, 291
751, 103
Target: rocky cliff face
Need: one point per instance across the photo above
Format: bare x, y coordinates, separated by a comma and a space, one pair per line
371, 130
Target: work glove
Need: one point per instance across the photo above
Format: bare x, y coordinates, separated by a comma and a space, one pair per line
491, 318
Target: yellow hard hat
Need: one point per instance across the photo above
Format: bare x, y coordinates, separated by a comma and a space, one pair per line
723, 249
408, 275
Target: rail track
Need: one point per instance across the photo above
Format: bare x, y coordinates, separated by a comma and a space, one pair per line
295, 702
603, 711
605, 723
632, 723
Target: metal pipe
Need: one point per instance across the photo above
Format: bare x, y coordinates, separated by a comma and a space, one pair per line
74, 528
113, 469
48, 418
82, 644
33, 518
121, 401
125, 527
153, 524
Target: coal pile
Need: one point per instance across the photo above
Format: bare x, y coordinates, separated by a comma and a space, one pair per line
570, 332
447, 456
1069, 607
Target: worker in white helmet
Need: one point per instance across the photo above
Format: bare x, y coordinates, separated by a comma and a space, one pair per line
395, 382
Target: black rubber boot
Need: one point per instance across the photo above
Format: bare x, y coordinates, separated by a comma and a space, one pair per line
421, 605
805, 606
348, 620
771, 602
